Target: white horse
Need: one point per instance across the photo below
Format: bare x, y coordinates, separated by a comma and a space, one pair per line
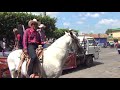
54, 57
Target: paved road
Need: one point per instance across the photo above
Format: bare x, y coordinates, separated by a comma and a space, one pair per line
107, 66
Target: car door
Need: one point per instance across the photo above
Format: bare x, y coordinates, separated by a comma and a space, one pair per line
93, 48
96, 50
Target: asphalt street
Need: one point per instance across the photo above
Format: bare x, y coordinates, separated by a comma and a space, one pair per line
107, 66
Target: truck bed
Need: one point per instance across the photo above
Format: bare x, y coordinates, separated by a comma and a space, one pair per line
4, 70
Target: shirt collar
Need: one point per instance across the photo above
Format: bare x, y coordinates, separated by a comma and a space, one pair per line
31, 29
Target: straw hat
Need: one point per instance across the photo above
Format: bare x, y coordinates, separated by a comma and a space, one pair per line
33, 21
15, 29
41, 25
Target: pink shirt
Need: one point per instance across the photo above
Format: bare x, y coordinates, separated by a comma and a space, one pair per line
18, 37
27, 37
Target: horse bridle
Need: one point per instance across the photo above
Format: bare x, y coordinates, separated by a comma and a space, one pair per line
75, 39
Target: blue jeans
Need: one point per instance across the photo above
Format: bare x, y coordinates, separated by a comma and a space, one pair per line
44, 46
33, 56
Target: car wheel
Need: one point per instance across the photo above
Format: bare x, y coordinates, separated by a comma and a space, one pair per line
89, 61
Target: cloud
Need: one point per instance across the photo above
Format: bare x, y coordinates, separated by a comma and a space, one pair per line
108, 21
66, 24
36, 13
80, 15
63, 18
94, 15
80, 22
83, 18
52, 14
85, 15
102, 12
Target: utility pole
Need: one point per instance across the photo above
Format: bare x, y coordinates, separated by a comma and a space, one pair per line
99, 37
44, 14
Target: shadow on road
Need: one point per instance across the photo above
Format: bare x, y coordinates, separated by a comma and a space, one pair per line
81, 67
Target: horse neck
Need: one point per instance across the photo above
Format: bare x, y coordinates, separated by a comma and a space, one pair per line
62, 46
63, 42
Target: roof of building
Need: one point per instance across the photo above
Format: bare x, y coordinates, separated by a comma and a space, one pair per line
97, 35
115, 29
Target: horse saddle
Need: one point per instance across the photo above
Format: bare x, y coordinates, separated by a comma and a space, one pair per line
39, 53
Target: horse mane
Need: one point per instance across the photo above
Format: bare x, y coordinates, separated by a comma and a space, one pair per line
61, 39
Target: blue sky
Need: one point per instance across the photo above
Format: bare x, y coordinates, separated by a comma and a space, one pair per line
86, 22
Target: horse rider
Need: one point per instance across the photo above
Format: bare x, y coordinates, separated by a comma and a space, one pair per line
31, 40
41, 31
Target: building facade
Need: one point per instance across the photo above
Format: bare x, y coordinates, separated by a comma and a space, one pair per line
114, 35
100, 38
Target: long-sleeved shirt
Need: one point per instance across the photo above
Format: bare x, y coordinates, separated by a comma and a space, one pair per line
30, 36
42, 35
18, 37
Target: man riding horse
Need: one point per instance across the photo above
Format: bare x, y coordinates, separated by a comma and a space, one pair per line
31, 40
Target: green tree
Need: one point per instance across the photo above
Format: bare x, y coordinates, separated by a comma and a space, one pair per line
108, 31
60, 32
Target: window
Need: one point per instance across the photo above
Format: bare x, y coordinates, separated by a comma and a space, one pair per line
91, 42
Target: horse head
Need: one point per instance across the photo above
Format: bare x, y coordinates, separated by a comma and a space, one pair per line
75, 44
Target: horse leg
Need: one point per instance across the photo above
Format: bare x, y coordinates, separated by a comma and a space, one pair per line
36, 69
58, 74
13, 73
11, 66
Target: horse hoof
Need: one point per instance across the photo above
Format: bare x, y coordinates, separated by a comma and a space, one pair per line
36, 76
32, 75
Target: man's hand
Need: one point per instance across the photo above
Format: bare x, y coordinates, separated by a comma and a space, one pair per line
25, 51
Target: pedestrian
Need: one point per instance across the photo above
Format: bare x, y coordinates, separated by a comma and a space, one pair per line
17, 38
21, 30
4, 46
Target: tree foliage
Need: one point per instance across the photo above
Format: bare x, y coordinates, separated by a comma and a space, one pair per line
60, 32
108, 31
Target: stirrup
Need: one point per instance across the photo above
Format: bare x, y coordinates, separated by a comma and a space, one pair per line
18, 72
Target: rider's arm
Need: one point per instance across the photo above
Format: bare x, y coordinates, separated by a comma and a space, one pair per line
39, 38
18, 37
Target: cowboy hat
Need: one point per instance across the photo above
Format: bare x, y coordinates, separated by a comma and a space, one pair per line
33, 21
15, 29
41, 25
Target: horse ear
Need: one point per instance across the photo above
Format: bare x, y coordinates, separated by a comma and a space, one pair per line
65, 32
71, 33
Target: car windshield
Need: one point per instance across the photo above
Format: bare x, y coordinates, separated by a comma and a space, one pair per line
91, 42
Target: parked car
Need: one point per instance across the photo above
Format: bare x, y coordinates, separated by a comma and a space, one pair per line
111, 44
